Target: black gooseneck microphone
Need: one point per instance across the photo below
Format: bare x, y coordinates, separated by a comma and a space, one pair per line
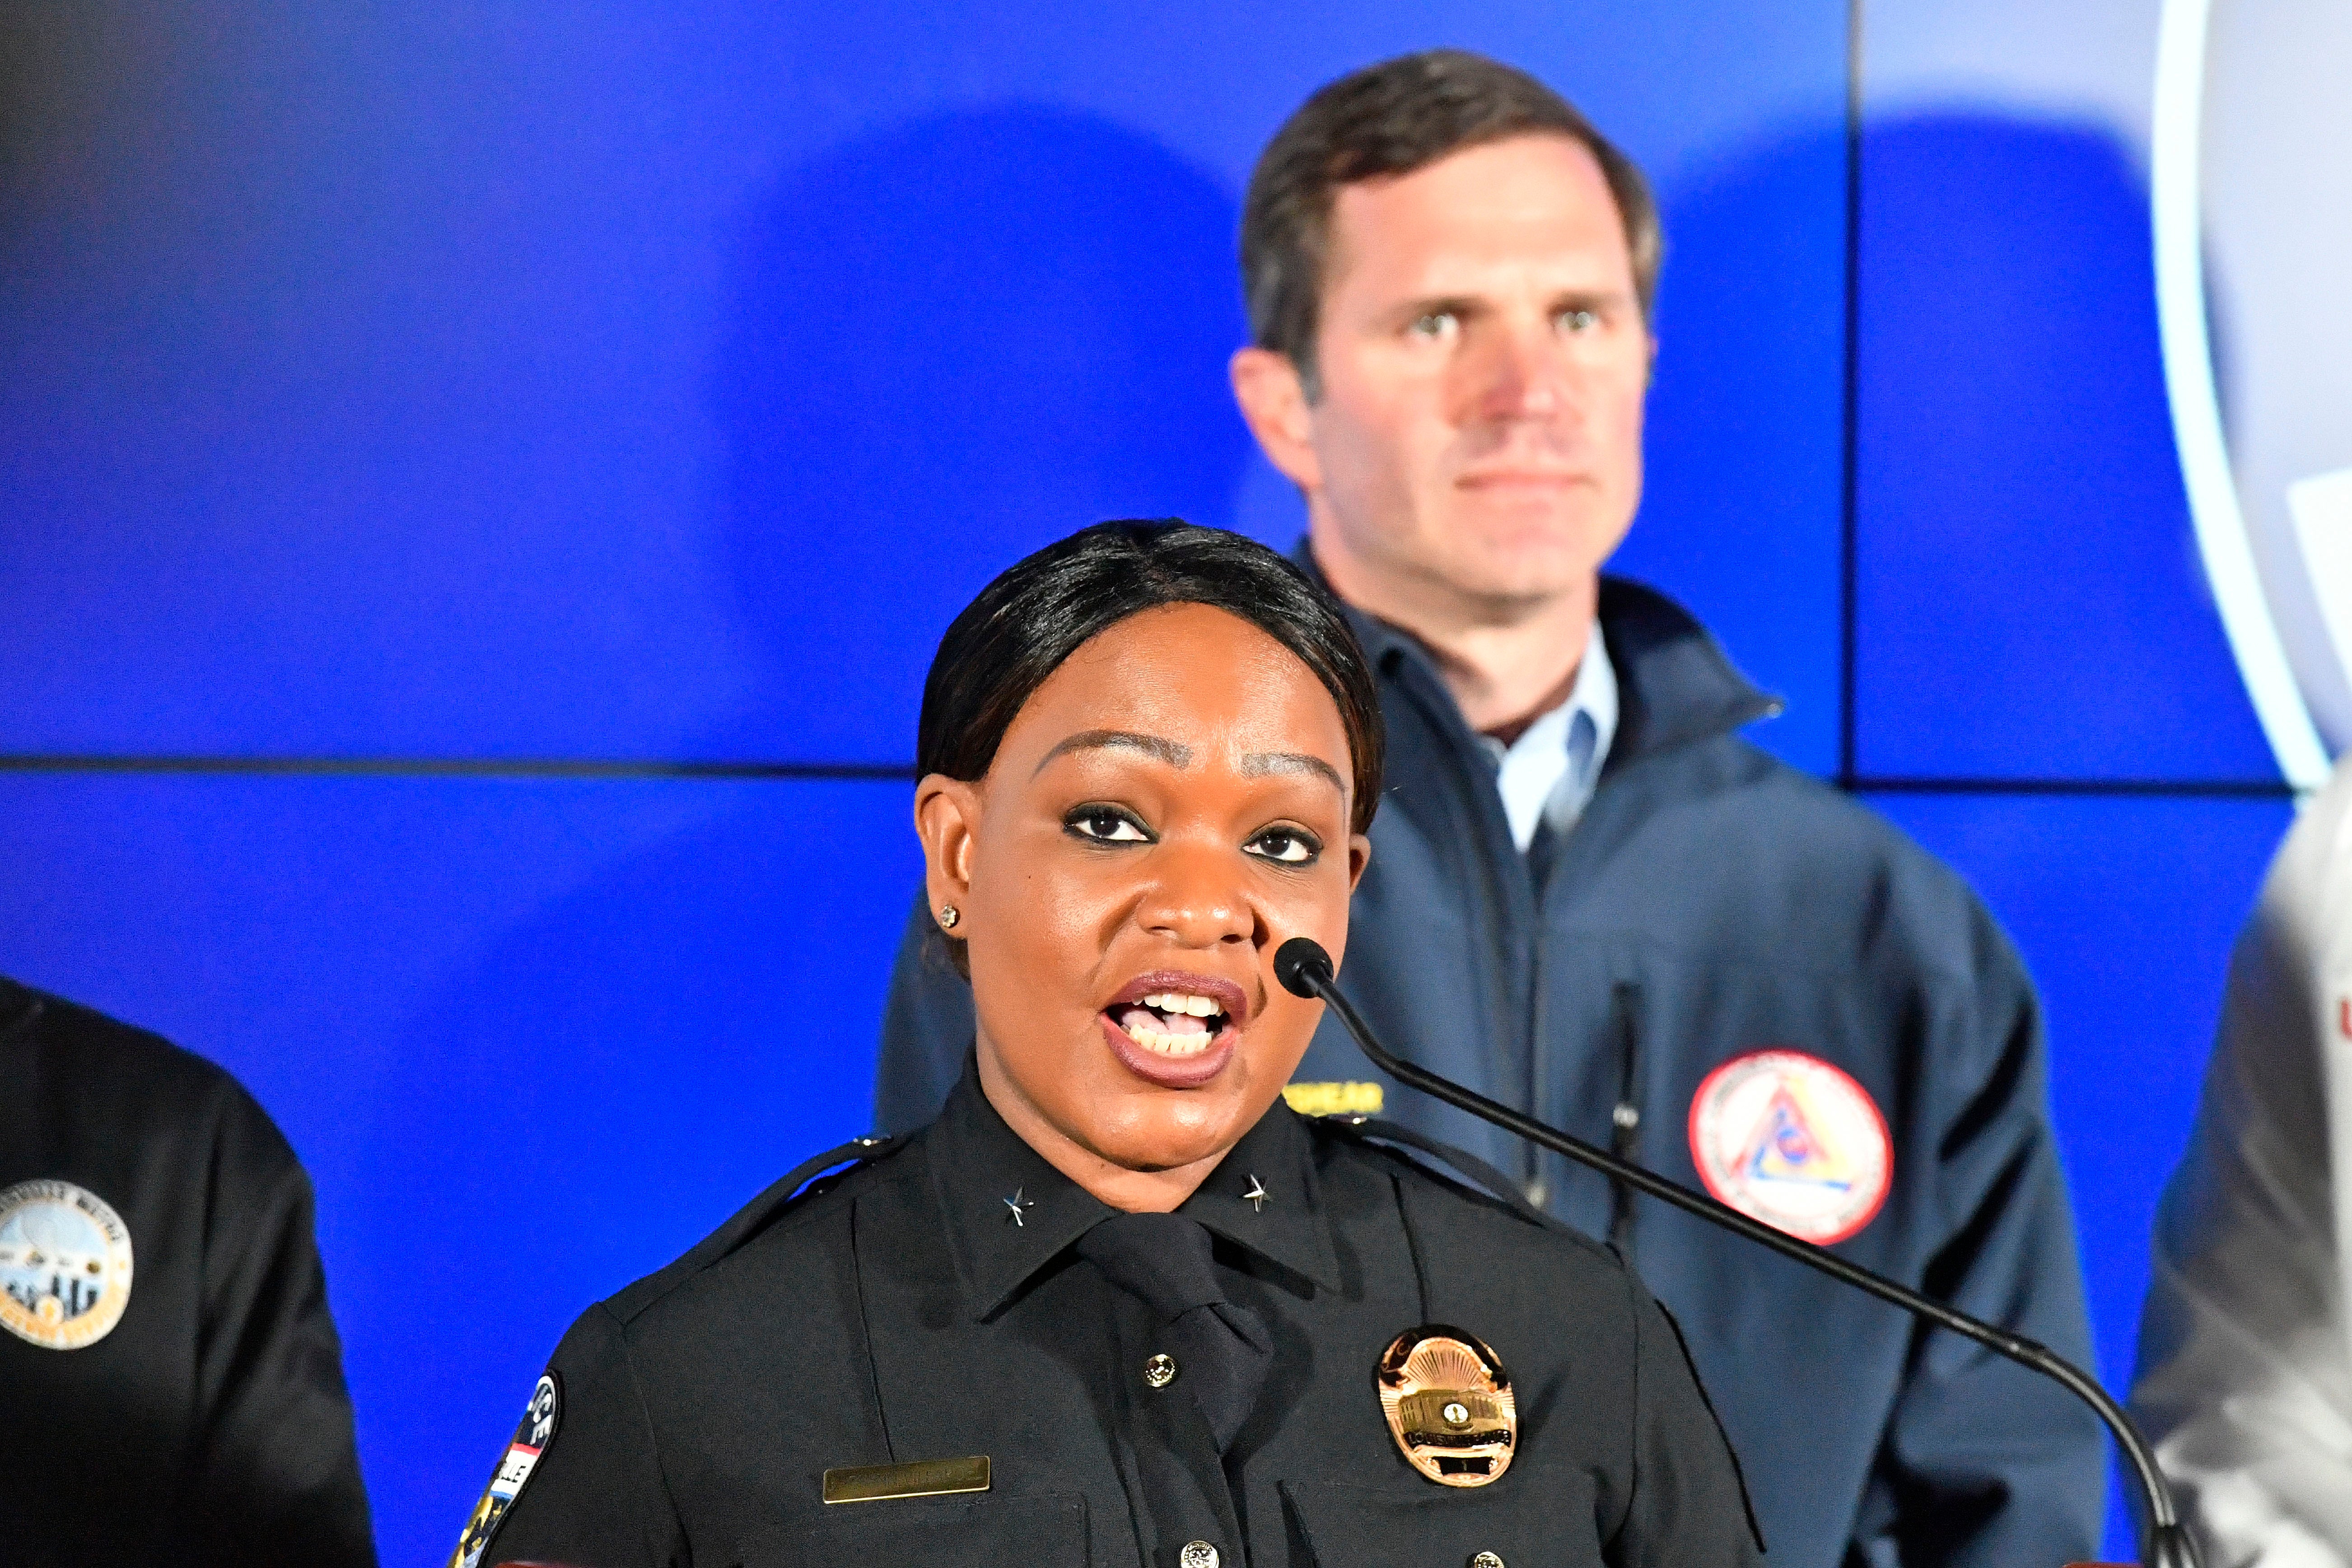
1306, 970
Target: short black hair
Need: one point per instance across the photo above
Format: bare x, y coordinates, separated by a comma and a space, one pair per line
1045, 607
1392, 119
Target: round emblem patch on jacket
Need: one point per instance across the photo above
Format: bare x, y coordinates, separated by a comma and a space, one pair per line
64, 1265
1788, 1139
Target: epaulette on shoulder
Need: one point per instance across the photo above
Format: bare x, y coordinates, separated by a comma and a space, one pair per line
1485, 1184
803, 1181
1482, 1176
18, 1007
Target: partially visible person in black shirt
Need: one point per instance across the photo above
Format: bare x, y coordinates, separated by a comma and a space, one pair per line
1118, 1305
170, 1384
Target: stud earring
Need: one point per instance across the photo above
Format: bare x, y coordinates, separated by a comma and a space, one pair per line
949, 915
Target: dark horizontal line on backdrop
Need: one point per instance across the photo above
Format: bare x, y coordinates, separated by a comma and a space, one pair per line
615, 768
454, 767
2207, 789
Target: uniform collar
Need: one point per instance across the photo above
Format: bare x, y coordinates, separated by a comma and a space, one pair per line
1674, 684
18, 1007
979, 1164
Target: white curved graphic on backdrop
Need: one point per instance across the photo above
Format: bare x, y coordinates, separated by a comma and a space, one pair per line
2321, 508
2277, 551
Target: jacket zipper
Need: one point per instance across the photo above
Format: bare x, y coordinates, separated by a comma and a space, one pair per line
1626, 1119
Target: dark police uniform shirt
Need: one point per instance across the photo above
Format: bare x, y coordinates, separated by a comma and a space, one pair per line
903, 1313
1717, 921
170, 1384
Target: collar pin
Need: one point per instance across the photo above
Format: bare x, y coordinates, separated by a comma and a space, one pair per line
1015, 1204
1257, 1194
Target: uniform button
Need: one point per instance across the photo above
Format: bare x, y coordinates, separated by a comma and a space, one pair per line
1159, 1372
1485, 1560
1197, 1554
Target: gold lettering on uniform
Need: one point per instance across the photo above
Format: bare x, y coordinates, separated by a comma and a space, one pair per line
1334, 1098
923, 1478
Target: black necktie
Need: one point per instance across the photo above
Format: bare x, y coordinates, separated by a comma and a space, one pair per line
1540, 852
1222, 1349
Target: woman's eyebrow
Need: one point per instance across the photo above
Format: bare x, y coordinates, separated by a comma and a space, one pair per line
1258, 763
1168, 752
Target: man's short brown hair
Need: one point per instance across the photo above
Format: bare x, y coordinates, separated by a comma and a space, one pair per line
1391, 119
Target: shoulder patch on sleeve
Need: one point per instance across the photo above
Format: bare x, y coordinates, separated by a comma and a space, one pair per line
532, 1435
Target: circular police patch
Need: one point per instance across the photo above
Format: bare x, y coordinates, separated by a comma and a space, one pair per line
1788, 1139
64, 1265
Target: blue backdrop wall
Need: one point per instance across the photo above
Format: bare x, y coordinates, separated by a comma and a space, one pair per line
482, 483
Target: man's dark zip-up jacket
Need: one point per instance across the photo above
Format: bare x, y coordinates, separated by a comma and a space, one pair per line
210, 1426
1710, 902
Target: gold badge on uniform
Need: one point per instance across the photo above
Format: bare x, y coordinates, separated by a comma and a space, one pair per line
1449, 1404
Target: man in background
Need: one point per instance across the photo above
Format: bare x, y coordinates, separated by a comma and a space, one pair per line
1589, 897
170, 1384
2245, 1352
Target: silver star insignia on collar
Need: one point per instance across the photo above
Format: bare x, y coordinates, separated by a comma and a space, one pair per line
1257, 1194
1016, 1202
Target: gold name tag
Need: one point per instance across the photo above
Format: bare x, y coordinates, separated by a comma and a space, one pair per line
924, 1478
1334, 1098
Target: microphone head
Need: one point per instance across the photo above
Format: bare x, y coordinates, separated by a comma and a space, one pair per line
1303, 967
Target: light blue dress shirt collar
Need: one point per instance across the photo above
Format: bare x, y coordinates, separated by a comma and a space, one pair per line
1549, 773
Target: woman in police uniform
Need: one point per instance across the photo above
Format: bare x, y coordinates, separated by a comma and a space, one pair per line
1118, 1305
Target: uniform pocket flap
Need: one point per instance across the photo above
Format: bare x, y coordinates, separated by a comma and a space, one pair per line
974, 1532
1439, 1527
